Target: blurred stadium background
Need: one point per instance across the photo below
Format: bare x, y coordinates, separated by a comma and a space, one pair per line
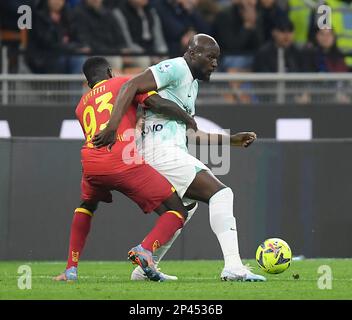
279, 75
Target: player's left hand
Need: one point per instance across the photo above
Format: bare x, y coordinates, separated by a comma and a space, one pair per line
106, 137
243, 139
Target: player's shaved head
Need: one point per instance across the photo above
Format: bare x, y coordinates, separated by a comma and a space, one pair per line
202, 55
96, 69
202, 41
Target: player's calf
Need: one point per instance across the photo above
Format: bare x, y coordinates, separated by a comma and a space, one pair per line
138, 273
80, 228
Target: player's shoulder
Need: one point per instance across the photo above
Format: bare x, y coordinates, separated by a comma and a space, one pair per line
170, 65
119, 80
114, 84
173, 61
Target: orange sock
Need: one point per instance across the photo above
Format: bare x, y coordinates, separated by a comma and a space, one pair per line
79, 231
166, 226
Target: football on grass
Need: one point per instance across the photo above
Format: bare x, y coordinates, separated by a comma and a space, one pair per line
274, 255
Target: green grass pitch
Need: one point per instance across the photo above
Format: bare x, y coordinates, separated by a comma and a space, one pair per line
198, 280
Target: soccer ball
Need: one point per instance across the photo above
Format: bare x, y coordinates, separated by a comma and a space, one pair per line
274, 255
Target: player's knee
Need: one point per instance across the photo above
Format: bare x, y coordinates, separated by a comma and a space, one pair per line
174, 203
224, 194
92, 207
221, 211
230, 193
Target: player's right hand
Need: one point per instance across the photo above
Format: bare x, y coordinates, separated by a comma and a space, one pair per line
106, 137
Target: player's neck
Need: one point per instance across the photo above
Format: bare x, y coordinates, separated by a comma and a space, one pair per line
188, 61
96, 83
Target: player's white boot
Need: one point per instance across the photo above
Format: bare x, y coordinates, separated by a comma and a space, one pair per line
138, 274
240, 274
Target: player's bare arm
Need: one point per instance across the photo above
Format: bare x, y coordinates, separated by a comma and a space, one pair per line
144, 82
240, 139
170, 109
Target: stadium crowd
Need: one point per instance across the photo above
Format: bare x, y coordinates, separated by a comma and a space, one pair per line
133, 34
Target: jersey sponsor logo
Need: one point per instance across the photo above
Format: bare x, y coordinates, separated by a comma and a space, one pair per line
164, 67
152, 128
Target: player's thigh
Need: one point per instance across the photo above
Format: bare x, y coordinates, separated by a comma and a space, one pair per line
204, 186
145, 186
178, 167
93, 190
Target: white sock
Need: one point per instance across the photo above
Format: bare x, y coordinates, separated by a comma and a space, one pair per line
160, 252
223, 224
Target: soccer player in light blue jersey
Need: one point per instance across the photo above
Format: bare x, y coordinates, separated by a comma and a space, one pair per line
164, 146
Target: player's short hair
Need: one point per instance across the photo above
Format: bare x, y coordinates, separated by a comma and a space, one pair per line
95, 69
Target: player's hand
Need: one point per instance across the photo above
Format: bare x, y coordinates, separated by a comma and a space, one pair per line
106, 137
243, 139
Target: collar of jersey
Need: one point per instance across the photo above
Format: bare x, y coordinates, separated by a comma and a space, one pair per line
99, 83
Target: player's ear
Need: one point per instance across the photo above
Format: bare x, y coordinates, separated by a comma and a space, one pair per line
196, 54
192, 54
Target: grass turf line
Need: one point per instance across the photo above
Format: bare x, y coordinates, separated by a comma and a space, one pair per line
198, 280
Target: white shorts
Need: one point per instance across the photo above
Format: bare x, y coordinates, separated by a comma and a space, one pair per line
176, 165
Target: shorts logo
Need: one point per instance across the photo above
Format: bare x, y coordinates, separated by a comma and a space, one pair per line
75, 256
156, 245
154, 128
